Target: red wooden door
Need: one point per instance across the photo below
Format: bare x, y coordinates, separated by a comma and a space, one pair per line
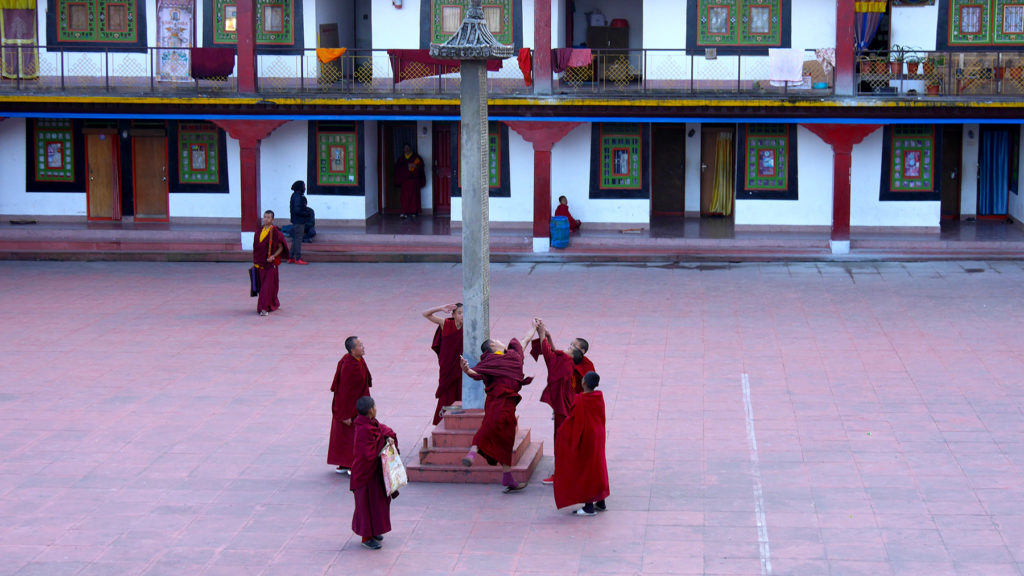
442, 153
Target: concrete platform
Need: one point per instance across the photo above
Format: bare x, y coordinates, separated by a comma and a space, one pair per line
763, 418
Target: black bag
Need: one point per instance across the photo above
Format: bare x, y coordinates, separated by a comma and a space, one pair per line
254, 282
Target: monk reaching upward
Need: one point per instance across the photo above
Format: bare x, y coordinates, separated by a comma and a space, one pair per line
558, 393
501, 369
447, 345
352, 381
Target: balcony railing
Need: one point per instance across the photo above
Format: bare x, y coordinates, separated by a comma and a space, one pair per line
957, 74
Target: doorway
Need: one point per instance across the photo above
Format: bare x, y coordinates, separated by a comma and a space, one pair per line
393, 137
997, 169
668, 158
949, 179
102, 167
149, 172
717, 170
442, 173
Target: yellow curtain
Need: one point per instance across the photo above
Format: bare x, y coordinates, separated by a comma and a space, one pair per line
869, 6
721, 194
17, 4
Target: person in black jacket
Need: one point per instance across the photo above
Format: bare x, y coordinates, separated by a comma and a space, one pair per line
303, 222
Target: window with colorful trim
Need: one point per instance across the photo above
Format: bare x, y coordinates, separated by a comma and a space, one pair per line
980, 24
278, 24
497, 161
96, 24
56, 155
440, 19
909, 158
198, 161
734, 25
619, 163
336, 159
768, 168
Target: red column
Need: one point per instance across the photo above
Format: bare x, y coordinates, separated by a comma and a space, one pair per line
543, 136
842, 138
542, 47
845, 39
246, 26
249, 133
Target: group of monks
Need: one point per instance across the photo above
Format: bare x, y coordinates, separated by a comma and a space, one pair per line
581, 472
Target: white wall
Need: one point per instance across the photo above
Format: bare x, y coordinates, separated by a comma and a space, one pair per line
371, 150
664, 24
425, 148
813, 24
971, 151
13, 198
865, 207
813, 206
393, 28
214, 205
914, 26
528, 27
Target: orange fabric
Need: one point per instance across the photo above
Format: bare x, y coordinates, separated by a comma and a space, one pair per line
326, 55
526, 65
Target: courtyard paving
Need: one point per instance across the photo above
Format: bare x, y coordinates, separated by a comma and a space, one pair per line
801, 418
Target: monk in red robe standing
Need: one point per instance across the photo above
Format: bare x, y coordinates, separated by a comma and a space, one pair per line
371, 518
447, 345
501, 369
352, 381
563, 210
410, 176
582, 367
558, 393
581, 470
268, 247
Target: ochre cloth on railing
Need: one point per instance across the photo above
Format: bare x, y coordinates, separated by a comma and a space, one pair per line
325, 55
17, 4
409, 64
526, 65
212, 63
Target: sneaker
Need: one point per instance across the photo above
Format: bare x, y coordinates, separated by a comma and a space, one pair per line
601, 507
549, 480
467, 460
379, 538
583, 512
516, 488
343, 470
264, 313
372, 544
301, 261
291, 260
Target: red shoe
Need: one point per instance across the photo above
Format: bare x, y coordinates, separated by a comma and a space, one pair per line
548, 480
301, 261
291, 260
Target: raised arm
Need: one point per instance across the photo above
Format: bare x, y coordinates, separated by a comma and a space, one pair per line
542, 330
467, 370
533, 330
430, 314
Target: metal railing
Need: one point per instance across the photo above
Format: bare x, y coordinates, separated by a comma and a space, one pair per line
940, 74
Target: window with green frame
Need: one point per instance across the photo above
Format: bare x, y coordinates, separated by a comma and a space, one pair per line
96, 24
981, 24
619, 163
335, 165
738, 24
909, 160
767, 170
440, 19
278, 23
497, 161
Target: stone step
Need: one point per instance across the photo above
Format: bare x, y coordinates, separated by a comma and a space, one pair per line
522, 471
468, 420
452, 456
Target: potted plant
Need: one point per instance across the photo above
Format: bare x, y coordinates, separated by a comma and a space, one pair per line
897, 54
913, 61
934, 86
928, 65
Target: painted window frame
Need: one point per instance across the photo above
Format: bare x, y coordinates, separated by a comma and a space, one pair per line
750, 137
95, 38
739, 38
177, 139
33, 129
889, 190
599, 187
992, 35
315, 128
431, 20
216, 34
498, 132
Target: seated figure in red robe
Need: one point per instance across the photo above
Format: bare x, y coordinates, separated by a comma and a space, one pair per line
581, 470
352, 381
447, 345
371, 518
501, 369
558, 393
268, 247
563, 210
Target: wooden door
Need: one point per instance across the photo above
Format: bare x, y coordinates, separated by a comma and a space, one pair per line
949, 179
442, 153
668, 155
394, 136
149, 172
102, 187
708, 154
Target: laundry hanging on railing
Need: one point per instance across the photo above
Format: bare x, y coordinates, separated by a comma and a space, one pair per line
560, 59
325, 55
212, 63
409, 64
785, 65
526, 65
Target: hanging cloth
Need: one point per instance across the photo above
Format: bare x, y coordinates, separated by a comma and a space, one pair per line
526, 65
325, 55
19, 57
995, 174
865, 23
722, 191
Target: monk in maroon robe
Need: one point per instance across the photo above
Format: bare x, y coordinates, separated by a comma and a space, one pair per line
583, 366
581, 470
558, 393
501, 369
410, 176
447, 345
268, 247
371, 518
352, 381
563, 210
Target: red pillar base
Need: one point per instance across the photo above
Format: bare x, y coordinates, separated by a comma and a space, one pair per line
249, 133
842, 138
440, 456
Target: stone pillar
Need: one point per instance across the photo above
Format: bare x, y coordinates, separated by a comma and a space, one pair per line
543, 136
542, 47
249, 133
845, 39
842, 138
246, 45
476, 244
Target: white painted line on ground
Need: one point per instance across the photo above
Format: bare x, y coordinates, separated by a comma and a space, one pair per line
755, 470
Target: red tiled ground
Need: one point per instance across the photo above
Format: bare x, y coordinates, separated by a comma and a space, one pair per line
151, 423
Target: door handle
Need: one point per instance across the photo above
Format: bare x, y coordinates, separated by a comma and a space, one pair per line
953, 174
703, 166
